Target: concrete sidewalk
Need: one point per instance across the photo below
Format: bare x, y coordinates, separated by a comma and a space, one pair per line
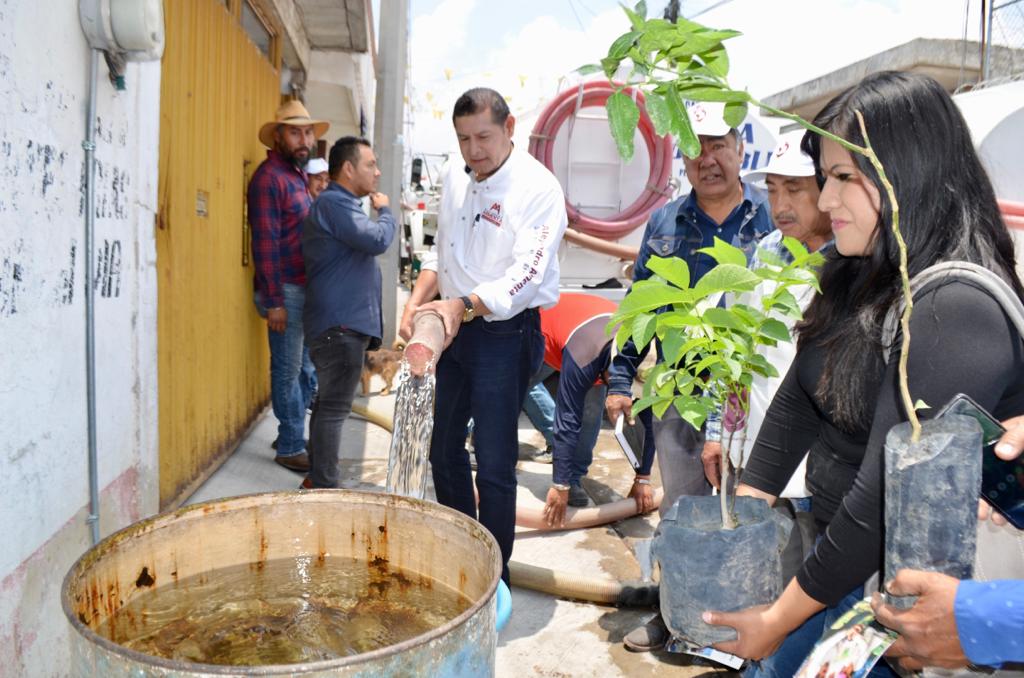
546, 636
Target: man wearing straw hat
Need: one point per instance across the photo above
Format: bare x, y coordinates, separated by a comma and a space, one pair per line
279, 201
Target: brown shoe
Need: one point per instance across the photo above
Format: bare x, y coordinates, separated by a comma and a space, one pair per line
294, 462
306, 484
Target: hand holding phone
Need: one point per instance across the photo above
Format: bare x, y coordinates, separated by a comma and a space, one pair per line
1002, 481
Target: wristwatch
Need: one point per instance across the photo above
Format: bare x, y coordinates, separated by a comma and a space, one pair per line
469, 313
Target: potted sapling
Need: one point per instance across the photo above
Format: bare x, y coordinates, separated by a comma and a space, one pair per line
710, 352
722, 552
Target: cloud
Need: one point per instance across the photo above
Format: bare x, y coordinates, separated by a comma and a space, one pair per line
785, 43
526, 66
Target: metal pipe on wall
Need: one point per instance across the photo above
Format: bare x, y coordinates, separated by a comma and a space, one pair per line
89, 145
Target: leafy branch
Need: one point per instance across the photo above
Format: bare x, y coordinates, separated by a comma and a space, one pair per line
711, 352
672, 63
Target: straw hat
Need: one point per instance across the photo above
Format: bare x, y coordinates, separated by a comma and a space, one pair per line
291, 113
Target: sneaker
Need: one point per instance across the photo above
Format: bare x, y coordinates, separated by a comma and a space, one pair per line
651, 636
578, 496
544, 457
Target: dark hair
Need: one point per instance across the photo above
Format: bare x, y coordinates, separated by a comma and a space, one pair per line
345, 149
479, 99
948, 211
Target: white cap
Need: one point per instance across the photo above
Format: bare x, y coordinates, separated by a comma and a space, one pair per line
788, 160
706, 119
316, 166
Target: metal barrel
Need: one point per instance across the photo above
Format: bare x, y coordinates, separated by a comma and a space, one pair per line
411, 534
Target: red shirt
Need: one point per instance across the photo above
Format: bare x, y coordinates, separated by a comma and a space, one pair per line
581, 318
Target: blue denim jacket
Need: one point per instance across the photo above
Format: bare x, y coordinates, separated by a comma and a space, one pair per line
679, 229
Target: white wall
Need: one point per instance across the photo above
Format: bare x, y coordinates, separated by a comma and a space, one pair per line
43, 447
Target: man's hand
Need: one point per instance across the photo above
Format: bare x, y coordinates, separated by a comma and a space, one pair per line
405, 327
928, 634
616, 404
711, 457
643, 495
378, 200
554, 507
277, 319
451, 311
1008, 448
1011, 444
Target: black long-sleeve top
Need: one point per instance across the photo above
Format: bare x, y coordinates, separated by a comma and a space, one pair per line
961, 342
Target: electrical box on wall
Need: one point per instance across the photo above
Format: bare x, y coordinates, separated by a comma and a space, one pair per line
132, 28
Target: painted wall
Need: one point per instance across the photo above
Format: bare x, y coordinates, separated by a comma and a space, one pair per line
43, 487
218, 89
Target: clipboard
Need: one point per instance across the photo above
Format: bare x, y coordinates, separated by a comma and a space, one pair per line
631, 439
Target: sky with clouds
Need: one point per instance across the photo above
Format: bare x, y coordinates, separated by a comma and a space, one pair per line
527, 49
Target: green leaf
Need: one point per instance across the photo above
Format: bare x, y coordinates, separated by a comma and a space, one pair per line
776, 329
643, 329
759, 364
796, 248
686, 139
648, 295
640, 8
783, 299
716, 61
724, 253
672, 348
676, 320
691, 410
623, 116
734, 114
588, 69
649, 401
657, 108
719, 94
921, 405
636, 19
672, 269
621, 336
722, 317
726, 278
622, 44
659, 407
768, 257
705, 363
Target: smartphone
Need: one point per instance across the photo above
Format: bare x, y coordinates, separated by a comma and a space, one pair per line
1002, 482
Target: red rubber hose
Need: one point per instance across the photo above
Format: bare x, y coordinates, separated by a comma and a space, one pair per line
660, 150
1013, 213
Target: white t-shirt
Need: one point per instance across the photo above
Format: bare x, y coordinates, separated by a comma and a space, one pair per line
498, 238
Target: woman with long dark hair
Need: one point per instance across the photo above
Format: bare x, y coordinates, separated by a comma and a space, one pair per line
841, 398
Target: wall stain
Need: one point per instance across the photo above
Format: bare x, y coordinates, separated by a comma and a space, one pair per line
12, 278
65, 293
108, 269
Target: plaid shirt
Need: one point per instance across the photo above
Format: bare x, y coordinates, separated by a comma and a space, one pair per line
278, 202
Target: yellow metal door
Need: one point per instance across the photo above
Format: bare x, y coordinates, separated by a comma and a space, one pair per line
217, 89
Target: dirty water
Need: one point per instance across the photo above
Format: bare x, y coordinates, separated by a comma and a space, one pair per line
413, 425
288, 611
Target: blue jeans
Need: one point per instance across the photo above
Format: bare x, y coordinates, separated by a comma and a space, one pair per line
798, 645
484, 375
292, 378
338, 355
540, 406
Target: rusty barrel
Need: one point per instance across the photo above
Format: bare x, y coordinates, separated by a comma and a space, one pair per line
410, 534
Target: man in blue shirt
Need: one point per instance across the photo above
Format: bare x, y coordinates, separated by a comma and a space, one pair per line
718, 206
342, 313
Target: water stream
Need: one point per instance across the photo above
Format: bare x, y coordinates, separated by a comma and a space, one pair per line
413, 425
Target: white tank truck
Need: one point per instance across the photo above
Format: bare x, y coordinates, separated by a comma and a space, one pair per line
576, 145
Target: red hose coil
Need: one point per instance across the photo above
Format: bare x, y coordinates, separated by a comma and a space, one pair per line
660, 149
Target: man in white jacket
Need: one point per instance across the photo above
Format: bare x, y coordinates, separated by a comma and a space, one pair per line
499, 227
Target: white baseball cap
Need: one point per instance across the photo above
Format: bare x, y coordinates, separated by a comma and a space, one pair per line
316, 166
788, 160
706, 118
